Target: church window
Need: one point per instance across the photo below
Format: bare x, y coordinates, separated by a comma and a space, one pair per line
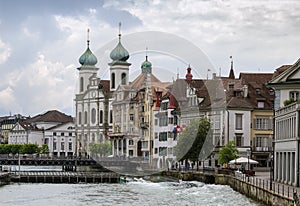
85, 117
93, 115
81, 84
111, 116
79, 118
123, 80
113, 80
101, 116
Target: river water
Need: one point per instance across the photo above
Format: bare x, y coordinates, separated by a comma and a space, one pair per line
139, 193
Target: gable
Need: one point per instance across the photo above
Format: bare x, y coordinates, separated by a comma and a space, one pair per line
17, 127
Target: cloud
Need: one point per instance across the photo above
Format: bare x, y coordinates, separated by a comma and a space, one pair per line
5, 52
43, 85
251, 31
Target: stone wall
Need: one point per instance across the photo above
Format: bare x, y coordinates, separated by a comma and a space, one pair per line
252, 191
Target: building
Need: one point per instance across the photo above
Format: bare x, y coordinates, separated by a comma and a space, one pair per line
92, 103
53, 128
6, 124
286, 85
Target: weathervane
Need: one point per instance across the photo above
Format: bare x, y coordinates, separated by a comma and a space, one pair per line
88, 36
120, 24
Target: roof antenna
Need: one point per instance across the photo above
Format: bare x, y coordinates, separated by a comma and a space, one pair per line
177, 73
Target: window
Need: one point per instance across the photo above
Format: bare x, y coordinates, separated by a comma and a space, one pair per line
62, 134
171, 120
155, 151
54, 133
263, 123
156, 122
85, 117
79, 118
123, 80
164, 106
162, 151
294, 95
70, 134
163, 120
163, 136
170, 150
70, 146
156, 135
257, 90
130, 153
113, 80
54, 145
130, 142
93, 119
62, 146
231, 86
239, 121
101, 116
81, 84
238, 140
111, 116
260, 104
131, 117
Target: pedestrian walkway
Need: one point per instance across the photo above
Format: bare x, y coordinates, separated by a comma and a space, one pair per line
262, 179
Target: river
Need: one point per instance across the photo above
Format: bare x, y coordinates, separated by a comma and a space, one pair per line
139, 193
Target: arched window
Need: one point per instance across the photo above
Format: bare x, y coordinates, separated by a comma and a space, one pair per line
93, 119
85, 117
123, 80
81, 84
101, 116
111, 116
113, 80
79, 118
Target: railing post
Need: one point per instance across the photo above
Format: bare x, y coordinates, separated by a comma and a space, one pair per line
282, 189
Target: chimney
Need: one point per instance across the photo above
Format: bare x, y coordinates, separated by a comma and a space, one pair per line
214, 75
171, 102
245, 91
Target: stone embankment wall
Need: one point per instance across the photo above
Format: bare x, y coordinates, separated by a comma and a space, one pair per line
252, 191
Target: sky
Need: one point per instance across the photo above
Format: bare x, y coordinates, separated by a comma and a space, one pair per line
42, 40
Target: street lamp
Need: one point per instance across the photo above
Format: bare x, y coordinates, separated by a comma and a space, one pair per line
248, 155
271, 170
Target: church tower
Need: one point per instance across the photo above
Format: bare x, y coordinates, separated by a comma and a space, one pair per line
119, 67
87, 69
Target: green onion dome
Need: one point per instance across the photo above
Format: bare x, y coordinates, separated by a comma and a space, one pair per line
146, 64
119, 53
88, 58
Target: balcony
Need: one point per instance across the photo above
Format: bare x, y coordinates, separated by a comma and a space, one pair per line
144, 125
262, 149
288, 109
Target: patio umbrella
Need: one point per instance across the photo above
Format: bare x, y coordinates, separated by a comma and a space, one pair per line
242, 160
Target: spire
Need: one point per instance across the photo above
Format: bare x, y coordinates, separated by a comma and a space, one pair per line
231, 73
189, 76
88, 59
120, 24
88, 37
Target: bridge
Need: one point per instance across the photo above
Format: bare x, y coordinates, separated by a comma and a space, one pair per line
69, 163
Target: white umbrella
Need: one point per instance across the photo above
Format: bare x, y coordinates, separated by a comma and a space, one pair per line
243, 160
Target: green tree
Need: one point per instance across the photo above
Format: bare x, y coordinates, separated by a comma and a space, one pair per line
227, 153
44, 149
29, 149
192, 139
100, 149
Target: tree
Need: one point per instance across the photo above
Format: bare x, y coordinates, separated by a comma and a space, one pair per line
227, 153
29, 149
44, 149
192, 139
102, 149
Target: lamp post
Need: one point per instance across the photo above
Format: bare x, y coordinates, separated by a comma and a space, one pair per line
271, 170
248, 155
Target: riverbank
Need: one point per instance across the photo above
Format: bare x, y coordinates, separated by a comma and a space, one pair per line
261, 191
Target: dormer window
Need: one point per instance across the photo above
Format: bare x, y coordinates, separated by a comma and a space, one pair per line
260, 104
257, 90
